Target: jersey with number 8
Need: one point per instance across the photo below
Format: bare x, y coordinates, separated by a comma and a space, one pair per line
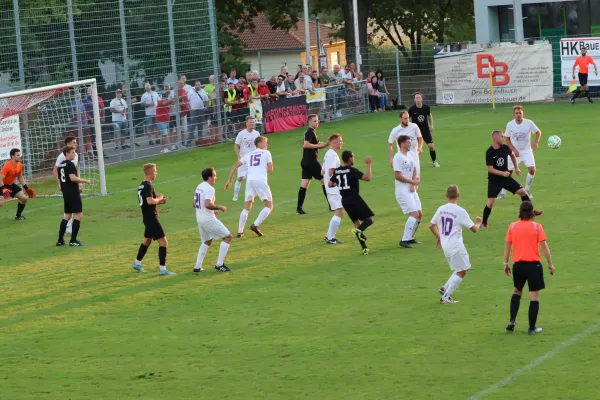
257, 162
450, 218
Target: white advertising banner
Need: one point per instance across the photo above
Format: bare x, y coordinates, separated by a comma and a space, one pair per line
521, 73
570, 49
10, 136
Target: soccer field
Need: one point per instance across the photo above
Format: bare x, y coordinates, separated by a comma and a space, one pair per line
296, 318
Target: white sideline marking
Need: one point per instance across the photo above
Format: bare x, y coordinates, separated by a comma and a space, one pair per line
507, 381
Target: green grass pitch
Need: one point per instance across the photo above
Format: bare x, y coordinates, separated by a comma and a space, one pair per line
296, 318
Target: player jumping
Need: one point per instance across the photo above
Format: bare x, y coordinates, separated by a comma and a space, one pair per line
13, 169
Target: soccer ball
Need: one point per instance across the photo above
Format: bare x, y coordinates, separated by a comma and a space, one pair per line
554, 142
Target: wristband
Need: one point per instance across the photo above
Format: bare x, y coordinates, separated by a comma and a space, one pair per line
25, 187
506, 263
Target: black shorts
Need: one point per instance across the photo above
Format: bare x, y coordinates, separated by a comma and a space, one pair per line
14, 188
356, 208
153, 230
311, 169
427, 138
583, 79
530, 272
72, 201
173, 122
494, 187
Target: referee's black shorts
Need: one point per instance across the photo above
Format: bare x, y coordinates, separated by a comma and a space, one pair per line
427, 137
153, 229
583, 78
311, 169
72, 202
356, 208
508, 183
531, 273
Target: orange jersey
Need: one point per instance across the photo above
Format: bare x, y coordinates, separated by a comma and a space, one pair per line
584, 63
525, 237
11, 171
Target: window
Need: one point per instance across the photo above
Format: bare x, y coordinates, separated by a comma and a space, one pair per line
335, 59
506, 23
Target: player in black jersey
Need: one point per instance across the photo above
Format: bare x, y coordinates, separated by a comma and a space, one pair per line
347, 178
69, 185
420, 114
311, 167
496, 159
149, 201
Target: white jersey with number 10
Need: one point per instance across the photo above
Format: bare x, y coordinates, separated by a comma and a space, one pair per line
257, 162
204, 191
450, 218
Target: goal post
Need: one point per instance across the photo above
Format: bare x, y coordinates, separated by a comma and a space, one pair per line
38, 120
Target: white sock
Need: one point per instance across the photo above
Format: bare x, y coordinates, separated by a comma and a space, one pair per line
453, 283
222, 253
264, 213
529, 181
70, 223
415, 229
236, 190
201, 254
137, 262
448, 281
243, 219
163, 268
334, 224
409, 228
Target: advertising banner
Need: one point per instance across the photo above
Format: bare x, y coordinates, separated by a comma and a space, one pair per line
570, 49
10, 136
284, 114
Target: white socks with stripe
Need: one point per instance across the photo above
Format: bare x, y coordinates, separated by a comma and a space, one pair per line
334, 225
410, 228
222, 253
453, 283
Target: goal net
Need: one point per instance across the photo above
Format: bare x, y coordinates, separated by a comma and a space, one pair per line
37, 121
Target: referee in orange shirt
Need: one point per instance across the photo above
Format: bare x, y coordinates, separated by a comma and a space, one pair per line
526, 237
583, 61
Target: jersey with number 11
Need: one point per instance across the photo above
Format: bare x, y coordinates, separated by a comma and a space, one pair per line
450, 218
258, 164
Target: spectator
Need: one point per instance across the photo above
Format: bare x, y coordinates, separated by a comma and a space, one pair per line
79, 118
182, 96
255, 75
336, 76
172, 96
89, 108
241, 109
352, 67
314, 78
163, 116
384, 99
210, 89
272, 84
348, 77
198, 101
118, 109
185, 85
374, 95
323, 78
232, 77
249, 77
298, 70
301, 85
284, 71
253, 88
149, 101
281, 86
263, 90
290, 86
307, 80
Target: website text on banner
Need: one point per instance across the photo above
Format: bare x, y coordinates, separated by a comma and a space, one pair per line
521, 73
570, 49
10, 136
285, 114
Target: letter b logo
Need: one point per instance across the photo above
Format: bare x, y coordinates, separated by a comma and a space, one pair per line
501, 69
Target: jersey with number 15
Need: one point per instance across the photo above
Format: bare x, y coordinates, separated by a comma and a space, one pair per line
450, 218
257, 162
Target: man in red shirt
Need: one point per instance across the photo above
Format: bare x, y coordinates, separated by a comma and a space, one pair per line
263, 90
163, 117
583, 62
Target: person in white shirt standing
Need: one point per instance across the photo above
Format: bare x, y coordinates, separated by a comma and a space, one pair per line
244, 144
198, 101
518, 138
118, 109
331, 161
209, 226
70, 141
446, 225
411, 130
259, 164
407, 180
150, 101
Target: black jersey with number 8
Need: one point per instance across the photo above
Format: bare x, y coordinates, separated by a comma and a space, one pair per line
146, 190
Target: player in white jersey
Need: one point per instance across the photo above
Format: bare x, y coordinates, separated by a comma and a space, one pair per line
407, 180
518, 138
259, 164
70, 141
331, 161
446, 225
244, 144
208, 224
411, 130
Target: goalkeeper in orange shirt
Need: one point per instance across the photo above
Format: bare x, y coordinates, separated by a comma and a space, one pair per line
12, 170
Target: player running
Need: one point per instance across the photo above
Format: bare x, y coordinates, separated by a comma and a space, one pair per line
70, 141
496, 159
209, 226
311, 168
259, 165
331, 161
13, 169
583, 62
244, 144
518, 138
70, 186
407, 180
411, 130
446, 225
149, 202
347, 179
421, 115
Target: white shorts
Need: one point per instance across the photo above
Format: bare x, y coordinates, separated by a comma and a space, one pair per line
525, 157
408, 201
335, 200
242, 171
258, 188
459, 261
211, 228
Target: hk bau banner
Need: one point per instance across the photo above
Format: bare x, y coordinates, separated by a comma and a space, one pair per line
570, 49
284, 114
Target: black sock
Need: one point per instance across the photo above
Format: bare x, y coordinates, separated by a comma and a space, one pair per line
486, 214
576, 94
62, 230
301, 197
75, 231
515, 302
525, 198
589, 95
534, 308
432, 155
20, 208
362, 244
365, 224
141, 252
162, 256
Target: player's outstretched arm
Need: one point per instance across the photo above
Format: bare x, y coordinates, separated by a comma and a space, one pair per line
477, 225
75, 179
367, 175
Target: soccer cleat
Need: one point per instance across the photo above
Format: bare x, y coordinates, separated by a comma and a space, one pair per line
413, 241
165, 272
60, 243
235, 198
240, 235
255, 229
534, 331
20, 218
511, 326
199, 269
222, 268
76, 243
301, 212
405, 244
538, 213
332, 241
137, 268
447, 300
590, 100
365, 251
572, 101
359, 234
435, 164
485, 225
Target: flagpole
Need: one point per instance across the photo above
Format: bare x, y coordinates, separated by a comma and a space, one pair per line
491, 69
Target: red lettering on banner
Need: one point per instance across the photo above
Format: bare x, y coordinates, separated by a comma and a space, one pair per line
500, 69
